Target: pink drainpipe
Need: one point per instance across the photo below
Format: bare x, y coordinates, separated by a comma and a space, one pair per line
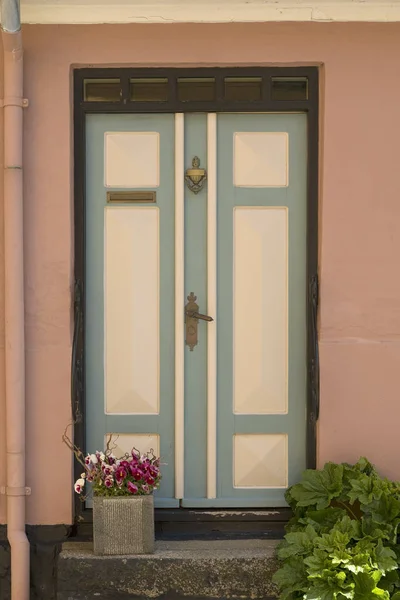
14, 298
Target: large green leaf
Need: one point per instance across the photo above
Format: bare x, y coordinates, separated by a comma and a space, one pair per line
320, 592
354, 472
384, 558
298, 543
385, 509
364, 466
341, 558
318, 488
366, 587
363, 489
373, 531
390, 581
317, 563
349, 526
333, 541
331, 584
291, 577
323, 520
360, 557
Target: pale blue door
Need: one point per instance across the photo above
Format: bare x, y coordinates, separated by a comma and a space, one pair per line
229, 419
259, 410
129, 302
262, 331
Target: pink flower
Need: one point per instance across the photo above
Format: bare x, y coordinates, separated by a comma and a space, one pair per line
149, 479
135, 472
120, 475
146, 488
109, 481
153, 471
79, 484
124, 463
107, 470
132, 487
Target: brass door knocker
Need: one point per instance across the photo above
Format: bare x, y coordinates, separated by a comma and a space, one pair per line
195, 177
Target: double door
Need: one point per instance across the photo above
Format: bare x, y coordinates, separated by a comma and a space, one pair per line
223, 401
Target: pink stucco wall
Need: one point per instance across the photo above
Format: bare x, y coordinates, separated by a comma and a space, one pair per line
359, 224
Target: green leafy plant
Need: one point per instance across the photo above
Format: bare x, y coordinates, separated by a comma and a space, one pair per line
341, 543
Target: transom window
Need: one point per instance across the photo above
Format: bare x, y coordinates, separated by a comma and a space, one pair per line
201, 89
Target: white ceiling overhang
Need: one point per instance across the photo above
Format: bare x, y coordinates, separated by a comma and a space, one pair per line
206, 11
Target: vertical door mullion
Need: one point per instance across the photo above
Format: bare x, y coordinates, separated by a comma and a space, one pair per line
212, 306
179, 306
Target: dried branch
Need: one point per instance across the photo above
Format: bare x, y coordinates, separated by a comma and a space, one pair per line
80, 457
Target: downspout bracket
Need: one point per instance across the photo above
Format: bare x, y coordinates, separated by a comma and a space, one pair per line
15, 491
21, 102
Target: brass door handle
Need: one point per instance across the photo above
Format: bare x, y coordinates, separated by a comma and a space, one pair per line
192, 318
195, 315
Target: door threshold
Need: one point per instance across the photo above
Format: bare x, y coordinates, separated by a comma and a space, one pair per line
237, 523
219, 514
208, 524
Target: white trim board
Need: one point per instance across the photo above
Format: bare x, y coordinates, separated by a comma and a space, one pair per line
179, 305
212, 305
207, 11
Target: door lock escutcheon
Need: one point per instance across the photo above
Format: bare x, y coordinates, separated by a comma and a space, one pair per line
192, 318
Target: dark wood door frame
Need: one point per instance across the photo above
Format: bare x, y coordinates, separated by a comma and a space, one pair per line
183, 521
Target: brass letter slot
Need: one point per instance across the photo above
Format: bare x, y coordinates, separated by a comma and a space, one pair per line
127, 197
192, 317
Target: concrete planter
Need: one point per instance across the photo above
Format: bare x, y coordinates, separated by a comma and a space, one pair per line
123, 525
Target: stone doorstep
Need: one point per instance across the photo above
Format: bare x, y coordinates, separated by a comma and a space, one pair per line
223, 569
